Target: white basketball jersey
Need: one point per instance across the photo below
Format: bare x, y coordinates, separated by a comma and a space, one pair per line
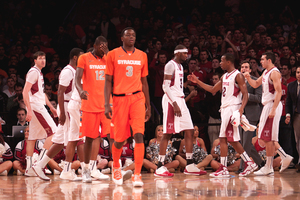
36, 93
231, 94
176, 70
67, 79
268, 90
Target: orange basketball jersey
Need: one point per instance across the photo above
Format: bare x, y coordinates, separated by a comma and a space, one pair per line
93, 81
126, 69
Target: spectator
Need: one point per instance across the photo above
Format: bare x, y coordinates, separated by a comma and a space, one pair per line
205, 64
16, 101
286, 74
156, 47
10, 91
213, 101
49, 92
3, 58
21, 115
285, 55
156, 68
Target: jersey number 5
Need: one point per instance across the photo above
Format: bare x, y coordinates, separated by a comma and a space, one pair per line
100, 75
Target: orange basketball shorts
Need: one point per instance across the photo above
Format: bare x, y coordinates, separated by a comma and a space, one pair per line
92, 121
129, 111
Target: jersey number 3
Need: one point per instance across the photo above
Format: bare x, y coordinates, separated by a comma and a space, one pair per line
129, 71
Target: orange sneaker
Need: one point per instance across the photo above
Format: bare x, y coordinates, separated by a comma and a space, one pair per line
137, 180
117, 175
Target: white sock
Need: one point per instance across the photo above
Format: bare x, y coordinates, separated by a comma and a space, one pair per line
281, 152
269, 162
42, 153
223, 161
43, 162
161, 158
189, 155
92, 164
82, 165
86, 166
28, 162
67, 166
245, 156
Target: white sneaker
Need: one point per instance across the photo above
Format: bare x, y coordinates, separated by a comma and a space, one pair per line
79, 171
105, 171
98, 175
40, 173
264, 171
30, 172
70, 175
163, 172
47, 171
126, 175
4, 173
19, 173
86, 176
221, 172
192, 169
285, 163
250, 167
55, 172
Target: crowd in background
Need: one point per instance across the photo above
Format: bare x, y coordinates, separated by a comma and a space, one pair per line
207, 28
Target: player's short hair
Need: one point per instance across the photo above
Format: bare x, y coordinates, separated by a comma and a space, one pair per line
229, 57
19, 109
180, 46
270, 55
37, 54
125, 29
100, 39
75, 52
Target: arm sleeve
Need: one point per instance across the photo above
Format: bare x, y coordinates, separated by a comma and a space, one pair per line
144, 72
32, 77
169, 70
18, 151
8, 155
109, 63
66, 76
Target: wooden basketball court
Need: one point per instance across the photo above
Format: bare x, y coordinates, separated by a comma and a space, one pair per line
279, 186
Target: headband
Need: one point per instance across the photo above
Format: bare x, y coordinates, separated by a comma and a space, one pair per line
180, 51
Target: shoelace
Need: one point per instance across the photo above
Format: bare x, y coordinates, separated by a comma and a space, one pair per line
117, 174
136, 177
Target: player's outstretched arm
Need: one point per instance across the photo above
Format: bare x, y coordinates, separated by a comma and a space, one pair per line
254, 83
209, 88
107, 93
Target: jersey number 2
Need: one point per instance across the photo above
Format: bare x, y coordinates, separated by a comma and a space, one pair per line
100, 75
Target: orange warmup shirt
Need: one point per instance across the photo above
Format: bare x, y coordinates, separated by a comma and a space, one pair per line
126, 69
93, 81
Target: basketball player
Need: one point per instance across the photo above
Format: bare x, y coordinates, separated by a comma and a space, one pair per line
272, 110
91, 70
234, 98
176, 116
65, 88
41, 124
127, 68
